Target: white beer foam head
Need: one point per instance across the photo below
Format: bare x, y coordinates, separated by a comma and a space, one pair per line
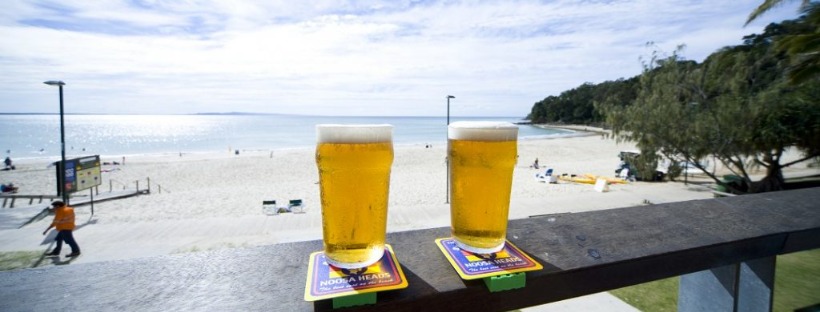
359, 133
482, 131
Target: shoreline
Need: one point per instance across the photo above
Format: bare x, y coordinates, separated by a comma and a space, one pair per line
573, 127
129, 135
231, 152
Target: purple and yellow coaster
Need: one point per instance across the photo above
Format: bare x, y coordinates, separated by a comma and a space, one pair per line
325, 281
470, 266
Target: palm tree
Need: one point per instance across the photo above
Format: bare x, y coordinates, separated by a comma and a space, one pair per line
768, 5
803, 49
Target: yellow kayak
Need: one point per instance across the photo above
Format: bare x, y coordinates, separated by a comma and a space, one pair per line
577, 179
608, 179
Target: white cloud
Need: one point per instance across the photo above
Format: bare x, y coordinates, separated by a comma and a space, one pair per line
320, 57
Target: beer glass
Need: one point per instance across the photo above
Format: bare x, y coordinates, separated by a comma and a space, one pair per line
354, 178
482, 155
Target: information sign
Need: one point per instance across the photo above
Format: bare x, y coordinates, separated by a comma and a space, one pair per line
81, 173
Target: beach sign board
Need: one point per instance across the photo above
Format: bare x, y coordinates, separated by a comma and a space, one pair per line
325, 281
471, 266
81, 173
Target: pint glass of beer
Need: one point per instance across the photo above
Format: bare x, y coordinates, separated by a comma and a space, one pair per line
482, 155
354, 178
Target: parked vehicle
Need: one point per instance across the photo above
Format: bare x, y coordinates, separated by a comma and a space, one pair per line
629, 158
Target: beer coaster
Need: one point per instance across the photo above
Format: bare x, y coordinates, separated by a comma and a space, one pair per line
325, 281
471, 266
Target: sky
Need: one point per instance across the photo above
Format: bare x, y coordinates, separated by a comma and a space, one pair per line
346, 58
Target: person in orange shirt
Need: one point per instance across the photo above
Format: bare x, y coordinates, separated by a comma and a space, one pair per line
64, 222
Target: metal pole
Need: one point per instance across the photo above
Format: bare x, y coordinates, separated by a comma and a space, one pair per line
92, 202
448, 144
448, 109
62, 150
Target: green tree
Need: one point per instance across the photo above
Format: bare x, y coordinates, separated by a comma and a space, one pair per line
577, 105
735, 107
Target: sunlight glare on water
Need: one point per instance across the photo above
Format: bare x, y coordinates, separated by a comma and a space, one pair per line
141, 132
38, 136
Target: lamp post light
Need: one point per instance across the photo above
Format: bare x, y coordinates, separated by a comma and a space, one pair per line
448, 156
61, 173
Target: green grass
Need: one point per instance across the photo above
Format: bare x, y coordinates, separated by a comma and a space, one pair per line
660, 295
797, 280
797, 285
14, 260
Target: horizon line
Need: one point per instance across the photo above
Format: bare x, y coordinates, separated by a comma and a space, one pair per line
249, 114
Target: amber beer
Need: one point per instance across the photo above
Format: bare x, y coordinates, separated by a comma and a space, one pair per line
354, 178
482, 156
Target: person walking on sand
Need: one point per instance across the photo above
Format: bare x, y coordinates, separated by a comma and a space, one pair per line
64, 222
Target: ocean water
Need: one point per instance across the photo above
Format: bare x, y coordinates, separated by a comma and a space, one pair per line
38, 136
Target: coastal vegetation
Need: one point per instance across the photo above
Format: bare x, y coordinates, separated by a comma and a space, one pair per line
577, 106
743, 106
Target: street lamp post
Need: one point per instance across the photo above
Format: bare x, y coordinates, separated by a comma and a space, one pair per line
61, 173
448, 156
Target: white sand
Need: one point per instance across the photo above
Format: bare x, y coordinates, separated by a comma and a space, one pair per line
210, 201
213, 201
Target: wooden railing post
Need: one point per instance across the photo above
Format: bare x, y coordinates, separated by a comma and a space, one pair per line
745, 286
756, 287
708, 290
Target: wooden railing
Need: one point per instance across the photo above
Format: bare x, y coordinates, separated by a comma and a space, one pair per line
724, 248
10, 199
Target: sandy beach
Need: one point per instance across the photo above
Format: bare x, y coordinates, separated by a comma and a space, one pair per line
211, 201
201, 202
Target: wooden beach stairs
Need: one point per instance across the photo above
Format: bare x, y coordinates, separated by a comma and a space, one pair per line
11, 199
18, 217
724, 249
79, 199
38, 205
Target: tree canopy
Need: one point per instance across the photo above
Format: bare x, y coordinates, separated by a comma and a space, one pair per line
577, 105
740, 106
